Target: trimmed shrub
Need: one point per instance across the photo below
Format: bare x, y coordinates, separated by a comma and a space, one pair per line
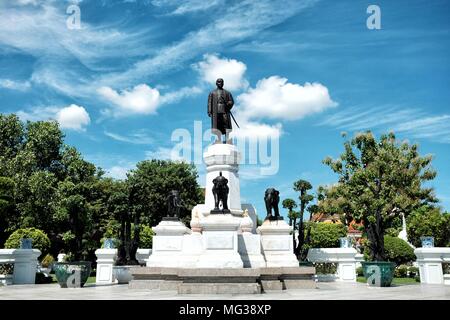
326, 235
398, 250
40, 239
401, 271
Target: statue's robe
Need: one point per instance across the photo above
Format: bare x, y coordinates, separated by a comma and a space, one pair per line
220, 102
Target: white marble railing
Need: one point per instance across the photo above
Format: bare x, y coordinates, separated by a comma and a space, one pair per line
345, 258
430, 262
25, 264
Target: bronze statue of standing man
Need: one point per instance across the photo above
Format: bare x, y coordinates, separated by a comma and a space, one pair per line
220, 102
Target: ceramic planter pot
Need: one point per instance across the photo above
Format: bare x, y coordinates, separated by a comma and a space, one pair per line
72, 274
122, 274
378, 273
427, 242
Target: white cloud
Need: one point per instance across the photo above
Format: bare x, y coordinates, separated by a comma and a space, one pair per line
142, 99
38, 113
237, 21
133, 138
26, 2
15, 85
231, 70
276, 98
257, 130
187, 6
409, 122
181, 151
72, 117
117, 172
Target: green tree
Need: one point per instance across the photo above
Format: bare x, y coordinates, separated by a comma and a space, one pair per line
40, 239
326, 235
290, 204
429, 221
6, 205
377, 181
154, 179
11, 137
305, 198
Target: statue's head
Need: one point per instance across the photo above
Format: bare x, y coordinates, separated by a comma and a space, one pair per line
174, 192
219, 83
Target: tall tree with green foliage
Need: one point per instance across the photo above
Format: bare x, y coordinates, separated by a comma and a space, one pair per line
154, 179
302, 186
290, 204
6, 205
428, 221
377, 181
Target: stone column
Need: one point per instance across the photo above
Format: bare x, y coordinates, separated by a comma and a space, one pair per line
25, 265
106, 259
276, 242
168, 244
223, 158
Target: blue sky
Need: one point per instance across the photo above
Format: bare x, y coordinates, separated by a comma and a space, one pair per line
303, 71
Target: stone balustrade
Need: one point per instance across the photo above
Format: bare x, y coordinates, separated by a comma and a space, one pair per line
430, 262
25, 264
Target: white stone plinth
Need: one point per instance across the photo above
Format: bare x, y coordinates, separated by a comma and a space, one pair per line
249, 246
345, 258
105, 262
25, 265
276, 243
168, 244
192, 249
430, 264
220, 242
223, 158
142, 255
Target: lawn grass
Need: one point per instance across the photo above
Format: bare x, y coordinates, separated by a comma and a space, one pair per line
395, 281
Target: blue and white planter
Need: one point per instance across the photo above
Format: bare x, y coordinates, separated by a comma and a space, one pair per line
427, 242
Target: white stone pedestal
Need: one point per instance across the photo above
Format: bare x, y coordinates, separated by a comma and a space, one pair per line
430, 264
220, 242
345, 258
223, 158
250, 250
105, 262
25, 265
168, 244
192, 249
276, 243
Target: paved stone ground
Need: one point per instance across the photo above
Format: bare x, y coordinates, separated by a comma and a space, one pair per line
325, 291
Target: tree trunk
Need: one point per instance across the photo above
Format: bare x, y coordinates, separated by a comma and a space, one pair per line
375, 234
